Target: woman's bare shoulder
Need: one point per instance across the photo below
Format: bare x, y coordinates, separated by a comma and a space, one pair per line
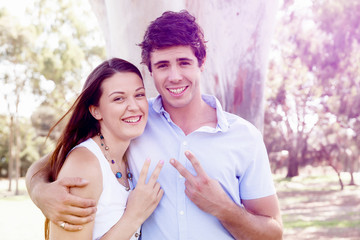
84, 164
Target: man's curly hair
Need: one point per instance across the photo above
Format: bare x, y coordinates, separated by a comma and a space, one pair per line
173, 29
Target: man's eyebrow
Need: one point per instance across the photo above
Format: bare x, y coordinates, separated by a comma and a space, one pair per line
184, 59
161, 62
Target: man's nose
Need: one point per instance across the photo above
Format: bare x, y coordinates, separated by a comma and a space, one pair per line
175, 74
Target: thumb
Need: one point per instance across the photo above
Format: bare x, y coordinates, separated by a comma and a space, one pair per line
73, 182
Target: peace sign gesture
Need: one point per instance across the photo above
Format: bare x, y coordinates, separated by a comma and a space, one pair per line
145, 197
202, 190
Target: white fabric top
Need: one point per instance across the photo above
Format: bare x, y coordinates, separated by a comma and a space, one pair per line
112, 201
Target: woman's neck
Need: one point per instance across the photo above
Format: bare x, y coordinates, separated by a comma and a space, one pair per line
114, 148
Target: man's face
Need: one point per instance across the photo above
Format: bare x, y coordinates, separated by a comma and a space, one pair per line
176, 74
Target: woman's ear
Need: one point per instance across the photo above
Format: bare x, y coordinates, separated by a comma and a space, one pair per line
95, 112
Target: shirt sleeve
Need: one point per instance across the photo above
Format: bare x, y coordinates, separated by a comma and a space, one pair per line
257, 181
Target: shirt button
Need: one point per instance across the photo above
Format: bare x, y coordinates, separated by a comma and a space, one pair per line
180, 176
182, 212
185, 143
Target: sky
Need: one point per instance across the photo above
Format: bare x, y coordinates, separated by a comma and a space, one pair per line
15, 7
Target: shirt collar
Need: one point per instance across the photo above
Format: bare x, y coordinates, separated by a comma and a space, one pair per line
212, 101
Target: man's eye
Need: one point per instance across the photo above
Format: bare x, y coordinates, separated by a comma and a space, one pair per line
184, 63
162, 66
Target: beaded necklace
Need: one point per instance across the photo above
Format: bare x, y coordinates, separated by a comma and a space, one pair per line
118, 174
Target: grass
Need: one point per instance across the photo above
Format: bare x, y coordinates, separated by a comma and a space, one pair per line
322, 224
20, 218
314, 207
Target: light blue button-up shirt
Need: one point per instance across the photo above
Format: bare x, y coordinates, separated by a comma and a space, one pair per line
232, 153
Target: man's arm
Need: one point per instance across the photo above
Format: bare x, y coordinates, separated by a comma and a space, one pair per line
54, 199
260, 219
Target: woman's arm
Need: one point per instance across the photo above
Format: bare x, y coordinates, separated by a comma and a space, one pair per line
80, 163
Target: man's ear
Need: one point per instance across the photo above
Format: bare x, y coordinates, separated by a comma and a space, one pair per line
203, 65
95, 112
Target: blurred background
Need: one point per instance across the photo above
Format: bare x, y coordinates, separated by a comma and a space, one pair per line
292, 68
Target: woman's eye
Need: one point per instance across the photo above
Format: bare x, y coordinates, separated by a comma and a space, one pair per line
118, 99
140, 95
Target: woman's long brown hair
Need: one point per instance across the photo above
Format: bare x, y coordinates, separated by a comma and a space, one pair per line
82, 125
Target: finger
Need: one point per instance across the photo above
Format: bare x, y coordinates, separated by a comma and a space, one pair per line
79, 202
188, 194
183, 171
72, 228
188, 185
155, 175
195, 163
73, 182
160, 195
157, 188
144, 171
77, 221
69, 227
79, 212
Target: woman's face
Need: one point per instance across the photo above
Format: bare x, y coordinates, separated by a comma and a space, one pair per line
123, 107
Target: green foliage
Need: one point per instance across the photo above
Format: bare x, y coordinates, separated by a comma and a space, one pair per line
313, 87
46, 56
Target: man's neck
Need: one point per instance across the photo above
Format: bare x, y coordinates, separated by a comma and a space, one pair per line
193, 116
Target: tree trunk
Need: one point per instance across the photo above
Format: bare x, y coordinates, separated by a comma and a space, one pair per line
293, 167
352, 159
11, 159
352, 181
238, 34
17, 139
17, 157
339, 176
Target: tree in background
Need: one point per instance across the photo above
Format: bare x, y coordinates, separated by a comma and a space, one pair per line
18, 63
313, 96
58, 48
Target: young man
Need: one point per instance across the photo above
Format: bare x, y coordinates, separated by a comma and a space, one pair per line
218, 183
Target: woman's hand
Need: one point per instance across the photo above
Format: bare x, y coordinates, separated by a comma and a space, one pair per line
145, 197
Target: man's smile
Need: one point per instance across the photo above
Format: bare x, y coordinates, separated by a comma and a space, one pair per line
177, 91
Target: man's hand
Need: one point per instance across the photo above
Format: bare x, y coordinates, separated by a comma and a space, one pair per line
264, 221
60, 206
205, 192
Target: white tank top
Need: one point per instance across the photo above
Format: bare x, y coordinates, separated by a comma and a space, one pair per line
112, 201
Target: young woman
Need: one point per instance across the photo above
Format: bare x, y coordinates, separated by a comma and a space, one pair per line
111, 110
